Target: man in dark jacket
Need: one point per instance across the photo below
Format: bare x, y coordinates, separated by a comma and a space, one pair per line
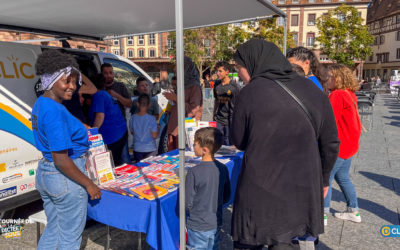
288, 155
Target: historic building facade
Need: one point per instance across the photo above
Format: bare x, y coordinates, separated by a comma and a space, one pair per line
11, 36
383, 22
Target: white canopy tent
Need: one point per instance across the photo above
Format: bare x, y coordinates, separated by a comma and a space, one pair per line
94, 19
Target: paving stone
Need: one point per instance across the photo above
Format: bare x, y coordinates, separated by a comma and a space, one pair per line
331, 238
365, 236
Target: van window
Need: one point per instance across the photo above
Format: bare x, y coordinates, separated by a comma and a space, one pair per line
124, 73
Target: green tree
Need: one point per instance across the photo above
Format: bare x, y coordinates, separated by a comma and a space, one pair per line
343, 36
269, 30
195, 47
224, 40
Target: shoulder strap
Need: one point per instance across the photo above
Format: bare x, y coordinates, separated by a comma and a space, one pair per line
300, 104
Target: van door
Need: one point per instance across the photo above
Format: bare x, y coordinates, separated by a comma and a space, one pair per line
18, 155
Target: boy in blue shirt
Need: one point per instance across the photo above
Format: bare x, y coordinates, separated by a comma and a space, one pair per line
144, 129
207, 189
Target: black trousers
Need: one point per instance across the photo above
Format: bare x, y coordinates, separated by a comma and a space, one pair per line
116, 149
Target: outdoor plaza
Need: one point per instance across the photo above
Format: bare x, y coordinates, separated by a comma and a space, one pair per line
375, 173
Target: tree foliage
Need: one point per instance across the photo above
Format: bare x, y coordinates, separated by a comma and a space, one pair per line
343, 36
225, 39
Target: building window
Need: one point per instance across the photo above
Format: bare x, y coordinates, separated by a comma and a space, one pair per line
371, 57
152, 39
311, 19
130, 53
116, 42
169, 44
310, 39
340, 17
295, 1
385, 57
281, 1
130, 40
152, 53
102, 49
141, 40
382, 39
398, 54
116, 52
311, 1
376, 41
294, 20
327, 1
296, 39
378, 58
398, 18
398, 36
206, 42
280, 21
208, 52
141, 53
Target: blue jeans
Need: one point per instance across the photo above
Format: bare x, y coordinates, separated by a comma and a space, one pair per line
341, 174
225, 132
208, 240
65, 204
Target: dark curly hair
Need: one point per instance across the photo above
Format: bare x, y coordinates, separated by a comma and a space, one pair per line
53, 60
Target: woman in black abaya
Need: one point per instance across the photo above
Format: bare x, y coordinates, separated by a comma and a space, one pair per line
287, 163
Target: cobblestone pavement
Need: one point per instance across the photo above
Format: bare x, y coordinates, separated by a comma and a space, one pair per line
375, 173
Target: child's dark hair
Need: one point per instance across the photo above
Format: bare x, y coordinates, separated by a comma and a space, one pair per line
144, 100
210, 138
99, 81
140, 79
52, 60
224, 65
298, 69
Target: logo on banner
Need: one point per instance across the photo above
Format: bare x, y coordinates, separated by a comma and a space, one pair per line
4, 193
26, 187
12, 178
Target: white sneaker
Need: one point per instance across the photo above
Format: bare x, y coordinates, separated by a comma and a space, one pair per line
325, 220
351, 216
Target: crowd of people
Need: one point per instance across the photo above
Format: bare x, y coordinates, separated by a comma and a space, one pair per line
296, 121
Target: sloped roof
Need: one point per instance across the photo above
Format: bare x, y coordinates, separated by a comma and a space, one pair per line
379, 9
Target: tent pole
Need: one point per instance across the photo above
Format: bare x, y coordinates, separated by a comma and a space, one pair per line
181, 119
284, 35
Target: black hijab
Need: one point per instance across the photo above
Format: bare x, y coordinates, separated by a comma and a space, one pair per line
191, 74
264, 59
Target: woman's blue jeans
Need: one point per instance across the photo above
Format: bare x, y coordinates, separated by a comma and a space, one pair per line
65, 204
340, 173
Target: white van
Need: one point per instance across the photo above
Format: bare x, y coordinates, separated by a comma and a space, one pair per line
18, 84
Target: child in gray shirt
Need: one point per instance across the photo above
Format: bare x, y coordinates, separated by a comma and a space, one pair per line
207, 189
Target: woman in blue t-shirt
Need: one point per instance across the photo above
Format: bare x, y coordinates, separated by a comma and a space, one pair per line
106, 115
313, 69
63, 140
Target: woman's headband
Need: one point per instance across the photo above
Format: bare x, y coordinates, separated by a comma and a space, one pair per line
48, 80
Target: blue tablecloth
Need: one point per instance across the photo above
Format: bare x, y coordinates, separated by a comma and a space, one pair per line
159, 218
